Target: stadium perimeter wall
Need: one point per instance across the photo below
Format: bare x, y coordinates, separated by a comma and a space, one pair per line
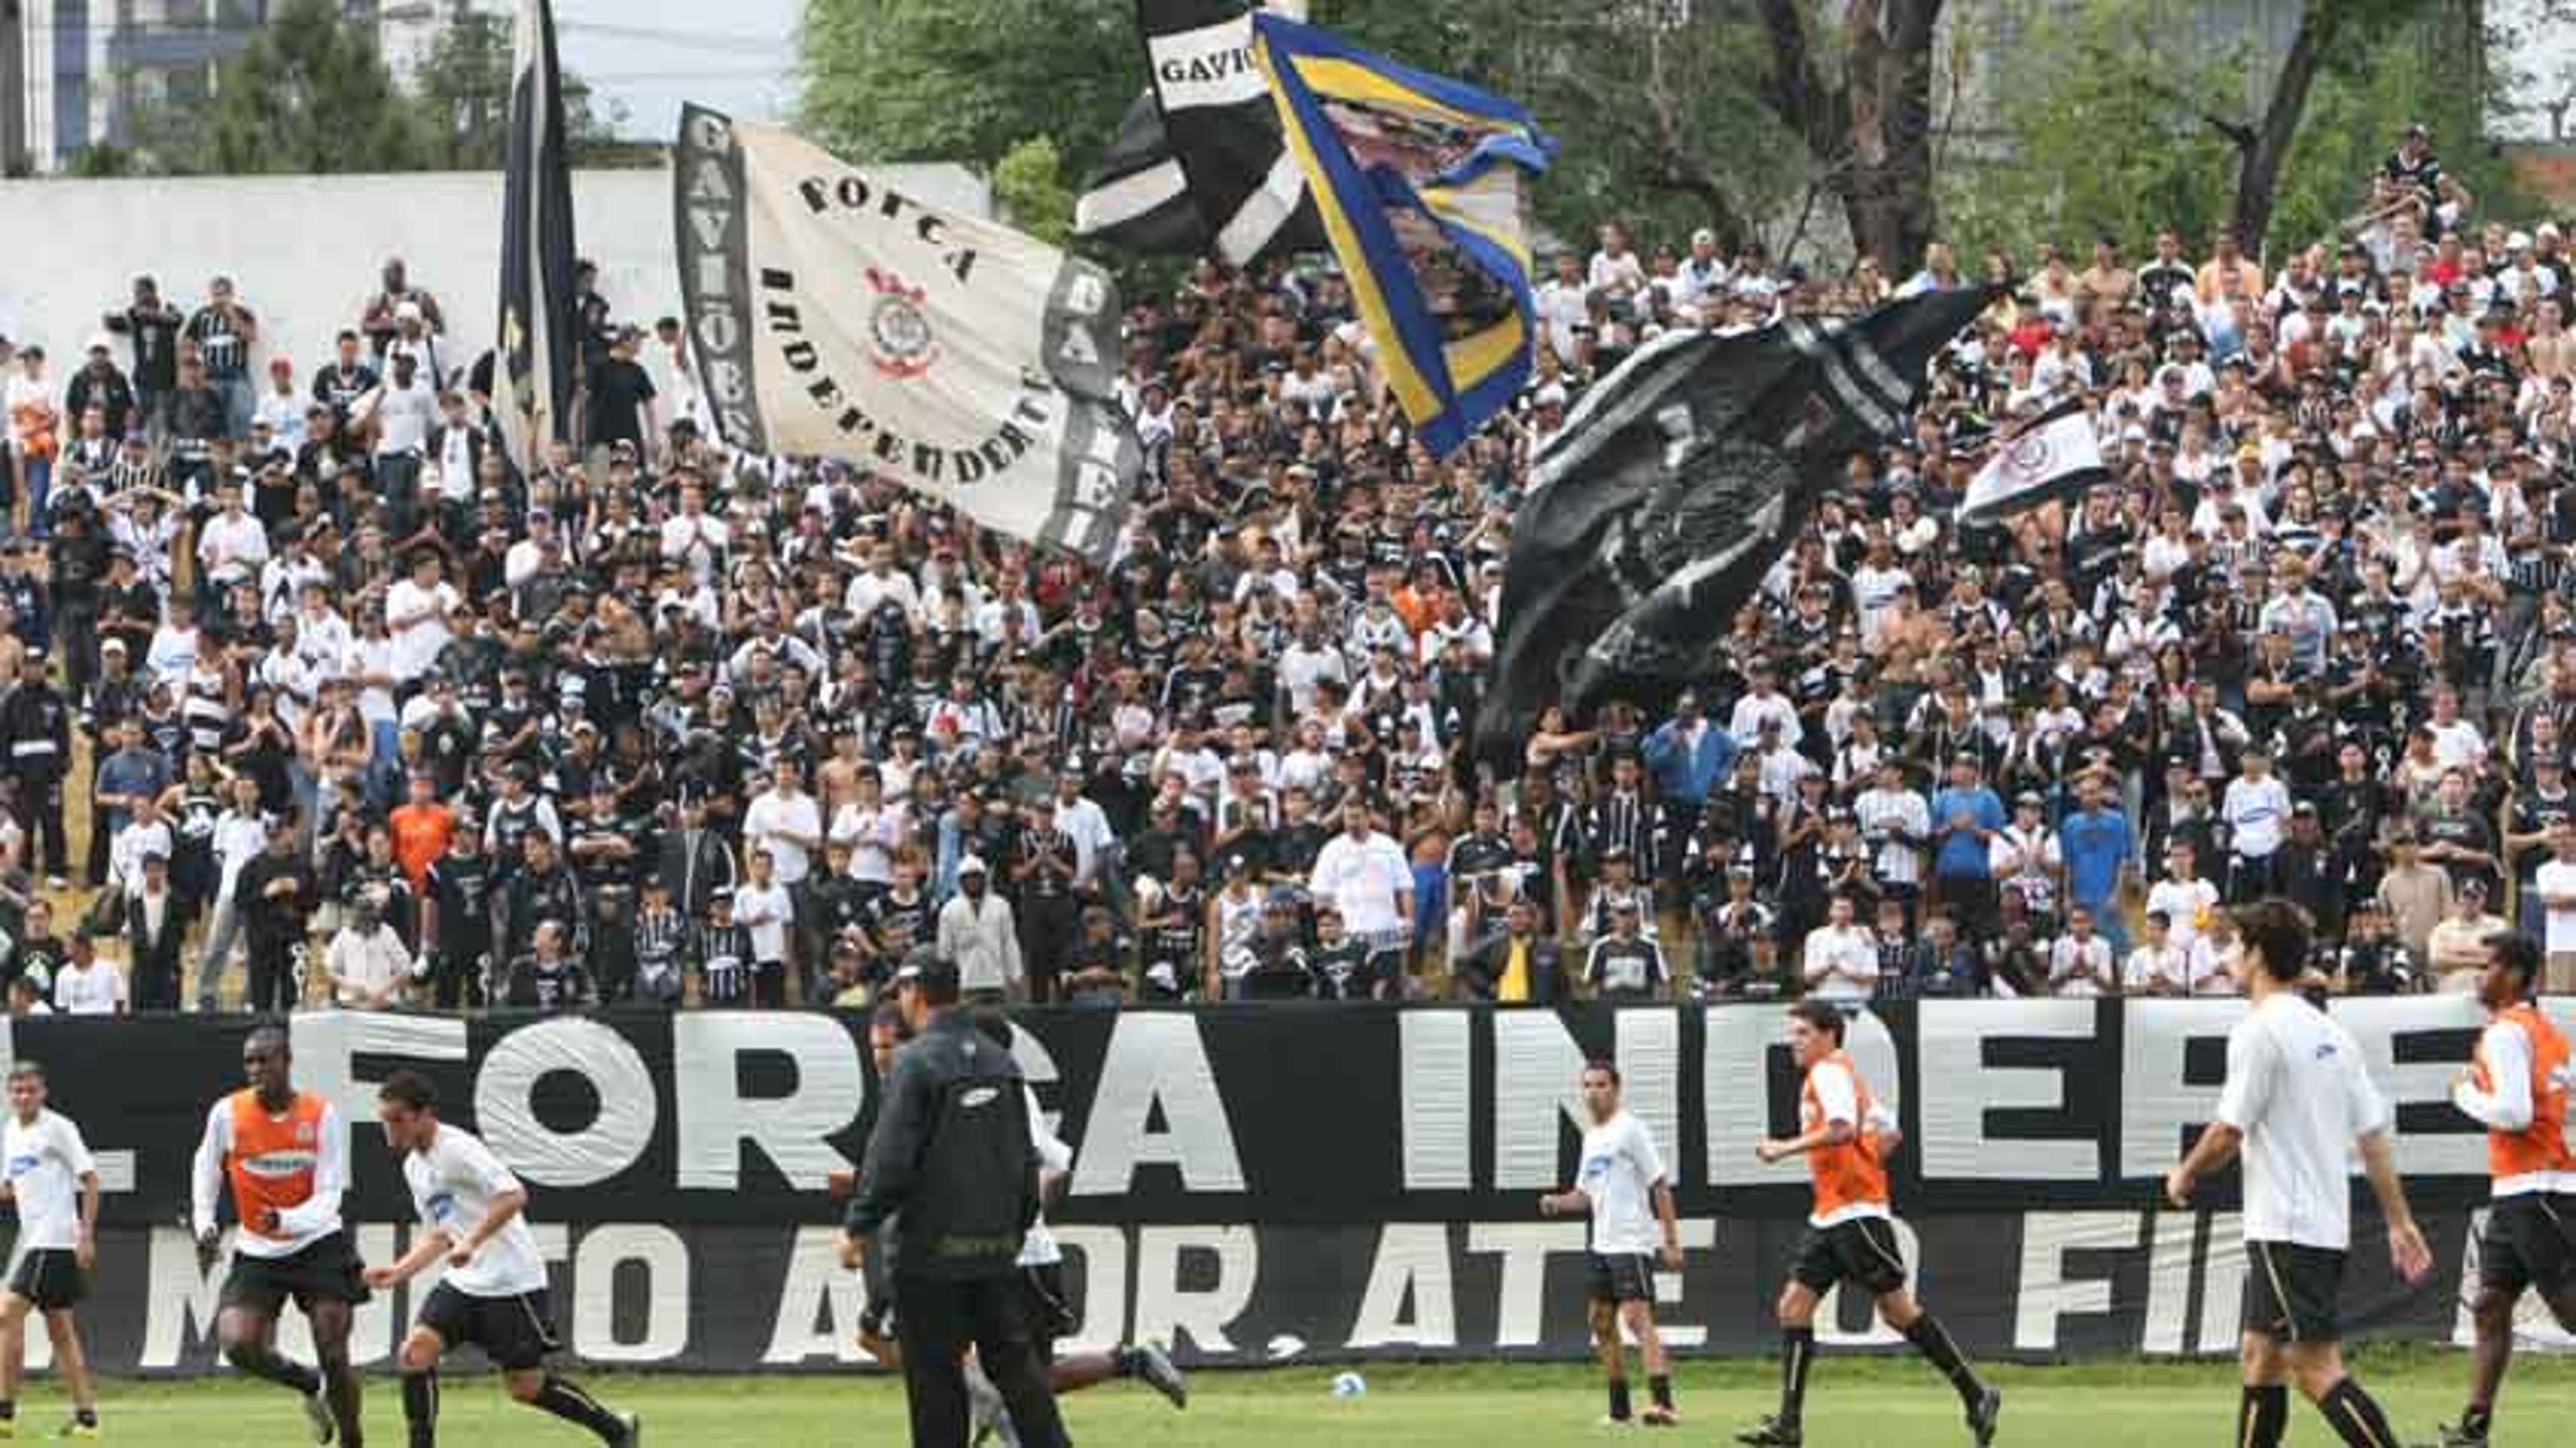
1289, 1183
304, 251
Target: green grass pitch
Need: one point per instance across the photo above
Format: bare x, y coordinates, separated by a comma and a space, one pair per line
1892, 1403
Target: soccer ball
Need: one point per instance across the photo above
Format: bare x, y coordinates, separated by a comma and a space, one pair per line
1349, 1385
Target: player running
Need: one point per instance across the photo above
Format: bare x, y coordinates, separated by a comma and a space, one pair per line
1623, 1185
1849, 1235
55, 1185
2298, 1098
286, 1157
2517, 1087
473, 1215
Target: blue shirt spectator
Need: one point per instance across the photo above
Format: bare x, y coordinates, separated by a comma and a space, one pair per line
1964, 817
1689, 755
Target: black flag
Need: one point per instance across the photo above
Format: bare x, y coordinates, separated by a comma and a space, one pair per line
532, 381
1677, 482
1136, 197
1205, 139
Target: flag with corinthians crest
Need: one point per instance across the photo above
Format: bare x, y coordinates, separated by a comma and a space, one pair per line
832, 315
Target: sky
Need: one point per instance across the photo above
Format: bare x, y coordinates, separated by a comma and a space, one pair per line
738, 57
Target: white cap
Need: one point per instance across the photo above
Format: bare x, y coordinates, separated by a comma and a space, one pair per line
2547, 231
971, 865
1703, 237
2519, 241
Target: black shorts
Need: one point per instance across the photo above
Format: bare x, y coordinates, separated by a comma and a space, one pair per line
2530, 1241
516, 1332
1861, 1251
1620, 1277
1050, 1312
49, 1277
2292, 1292
326, 1271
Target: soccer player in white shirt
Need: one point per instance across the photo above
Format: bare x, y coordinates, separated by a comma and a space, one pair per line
493, 1296
54, 1184
2298, 1100
1630, 1198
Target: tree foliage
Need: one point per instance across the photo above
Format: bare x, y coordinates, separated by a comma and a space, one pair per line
966, 80
1029, 185
2106, 126
463, 94
310, 94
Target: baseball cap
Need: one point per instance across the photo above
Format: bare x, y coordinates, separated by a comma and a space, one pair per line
971, 865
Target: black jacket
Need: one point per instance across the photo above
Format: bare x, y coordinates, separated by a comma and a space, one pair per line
938, 1152
692, 884
1481, 973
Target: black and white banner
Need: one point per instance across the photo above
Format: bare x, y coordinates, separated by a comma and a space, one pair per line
1230, 1198
2052, 458
834, 316
1199, 163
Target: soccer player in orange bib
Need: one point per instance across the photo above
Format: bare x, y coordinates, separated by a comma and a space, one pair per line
1849, 1236
2517, 1087
286, 1158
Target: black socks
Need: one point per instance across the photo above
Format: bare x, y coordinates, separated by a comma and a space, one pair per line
268, 1367
565, 1399
1934, 1343
2353, 1414
2262, 1416
420, 1407
1660, 1388
1618, 1400
1797, 1354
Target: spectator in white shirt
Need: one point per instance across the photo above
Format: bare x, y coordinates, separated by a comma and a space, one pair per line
416, 614
787, 823
2079, 962
1367, 878
2187, 901
1841, 960
87, 985
978, 932
370, 969
2256, 809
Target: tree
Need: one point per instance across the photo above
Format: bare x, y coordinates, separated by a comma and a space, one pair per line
2125, 132
966, 80
463, 95
1028, 183
1860, 98
309, 94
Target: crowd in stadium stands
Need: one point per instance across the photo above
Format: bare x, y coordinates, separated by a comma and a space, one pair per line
356, 712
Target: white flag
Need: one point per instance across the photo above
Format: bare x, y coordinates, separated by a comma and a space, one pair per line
834, 316
2056, 456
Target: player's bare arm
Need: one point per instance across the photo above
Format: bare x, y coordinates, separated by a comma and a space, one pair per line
2217, 1147
2406, 1246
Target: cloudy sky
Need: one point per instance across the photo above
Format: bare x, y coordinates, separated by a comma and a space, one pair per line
739, 56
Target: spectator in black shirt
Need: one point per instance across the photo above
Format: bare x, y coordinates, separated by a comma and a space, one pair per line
152, 325
101, 385
621, 398
275, 895
225, 331
549, 979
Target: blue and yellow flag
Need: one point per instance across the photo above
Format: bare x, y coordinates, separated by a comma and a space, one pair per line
1422, 186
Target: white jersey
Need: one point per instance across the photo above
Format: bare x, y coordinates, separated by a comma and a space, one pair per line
1620, 1171
47, 1160
452, 1187
1038, 1249
2299, 1091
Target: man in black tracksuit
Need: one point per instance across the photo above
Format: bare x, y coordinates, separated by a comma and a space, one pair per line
952, 1152
36, 726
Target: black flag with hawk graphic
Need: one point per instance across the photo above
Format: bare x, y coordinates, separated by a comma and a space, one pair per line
532, 381
1677, 482
1198, 164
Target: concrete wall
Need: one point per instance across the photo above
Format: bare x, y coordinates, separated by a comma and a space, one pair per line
304, 250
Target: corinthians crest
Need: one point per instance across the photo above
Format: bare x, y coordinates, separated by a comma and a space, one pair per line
900, 341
